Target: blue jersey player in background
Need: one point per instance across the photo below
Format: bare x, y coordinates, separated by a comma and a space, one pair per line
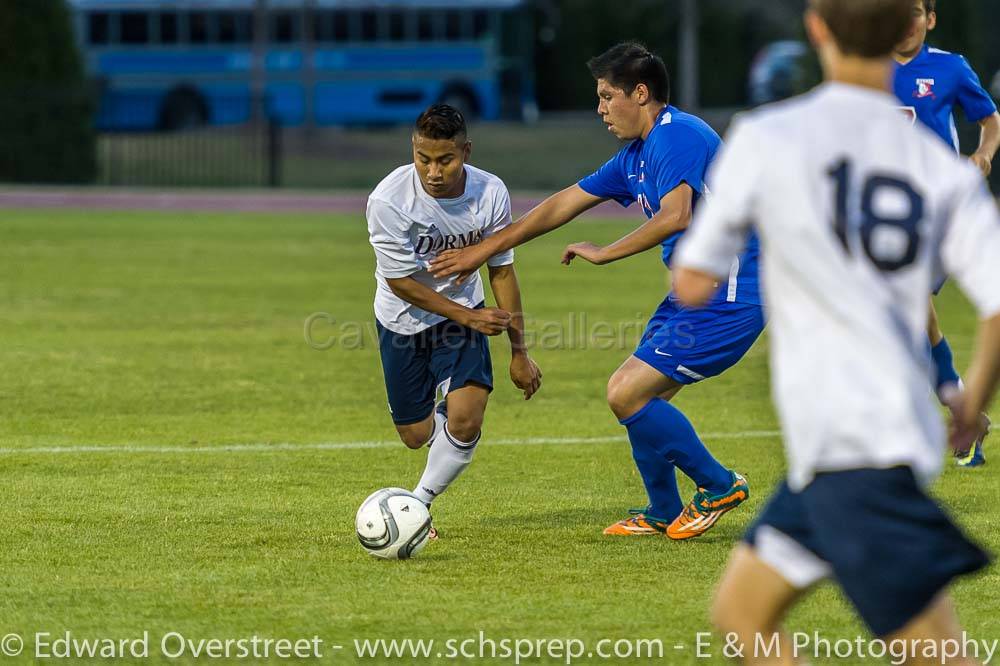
662, 168
930, 83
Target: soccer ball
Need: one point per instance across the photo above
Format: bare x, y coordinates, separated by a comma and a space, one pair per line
393, 524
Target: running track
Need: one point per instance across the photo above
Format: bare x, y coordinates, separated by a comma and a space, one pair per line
232, 201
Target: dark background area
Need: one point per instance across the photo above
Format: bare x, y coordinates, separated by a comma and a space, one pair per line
47, 103
731, 33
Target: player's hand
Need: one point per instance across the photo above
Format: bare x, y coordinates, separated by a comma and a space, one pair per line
983, 163
589, 251
964, 429
461, 263
491, 321
525, 374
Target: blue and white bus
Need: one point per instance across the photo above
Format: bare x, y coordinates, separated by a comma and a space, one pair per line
170, 65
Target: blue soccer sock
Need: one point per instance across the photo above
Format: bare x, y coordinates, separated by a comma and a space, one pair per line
660, 480
944, 364
663, 428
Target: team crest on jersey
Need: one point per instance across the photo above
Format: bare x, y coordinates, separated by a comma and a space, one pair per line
925, 88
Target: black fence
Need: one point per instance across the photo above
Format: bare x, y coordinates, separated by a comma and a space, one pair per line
49, 136
246, 155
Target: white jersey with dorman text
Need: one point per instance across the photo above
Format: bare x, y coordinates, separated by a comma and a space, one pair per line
859, 213
408, 228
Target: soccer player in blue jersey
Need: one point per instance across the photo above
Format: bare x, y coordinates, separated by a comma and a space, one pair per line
930, 83
662, 168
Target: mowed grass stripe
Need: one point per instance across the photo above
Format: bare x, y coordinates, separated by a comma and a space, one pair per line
263, 447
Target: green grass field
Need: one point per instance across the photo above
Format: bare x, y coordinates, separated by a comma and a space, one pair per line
176, 457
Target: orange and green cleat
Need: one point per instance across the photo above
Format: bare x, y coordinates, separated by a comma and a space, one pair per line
638, 524
705, 510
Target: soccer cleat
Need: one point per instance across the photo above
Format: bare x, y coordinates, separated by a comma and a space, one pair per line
705, 510
432, 533
975, 457
638, 524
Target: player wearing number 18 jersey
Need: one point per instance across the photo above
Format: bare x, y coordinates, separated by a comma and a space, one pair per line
858, 212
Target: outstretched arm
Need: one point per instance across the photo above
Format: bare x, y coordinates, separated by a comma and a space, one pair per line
523, 371
551, 214
674, 216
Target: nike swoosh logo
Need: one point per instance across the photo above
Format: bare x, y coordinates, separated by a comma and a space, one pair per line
631, 175
662, 353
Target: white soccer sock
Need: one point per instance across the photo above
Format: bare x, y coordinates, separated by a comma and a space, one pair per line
447, 458
439, 421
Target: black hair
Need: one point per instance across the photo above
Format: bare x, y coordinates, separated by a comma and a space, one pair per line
441, 122
628, 64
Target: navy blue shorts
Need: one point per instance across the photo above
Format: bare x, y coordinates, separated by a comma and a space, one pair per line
888, 545
447, 354
691, 344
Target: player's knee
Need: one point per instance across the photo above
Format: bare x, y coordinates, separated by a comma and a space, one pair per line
730, 614
621, 398
465, 426
729, 617
414, 438
723, 615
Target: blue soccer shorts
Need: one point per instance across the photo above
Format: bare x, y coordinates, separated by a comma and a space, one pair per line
692, 344
888, 545
414, 366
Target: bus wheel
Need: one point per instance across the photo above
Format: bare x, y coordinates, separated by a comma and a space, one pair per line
462, 99
183, 109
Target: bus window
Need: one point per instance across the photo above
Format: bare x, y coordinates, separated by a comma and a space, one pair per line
134, 28
283, 28
322, 25
341, 26
198, 27
425, 26
98, 27
227, 27
453, 25
168, 27
235, 27
244, 27
397, 26
369, 26
480, 24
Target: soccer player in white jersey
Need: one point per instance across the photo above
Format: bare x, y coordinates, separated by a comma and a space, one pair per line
857, 211
433, 332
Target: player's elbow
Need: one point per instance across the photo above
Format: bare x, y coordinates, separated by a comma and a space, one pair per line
681, 221
692, 287
399, 286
